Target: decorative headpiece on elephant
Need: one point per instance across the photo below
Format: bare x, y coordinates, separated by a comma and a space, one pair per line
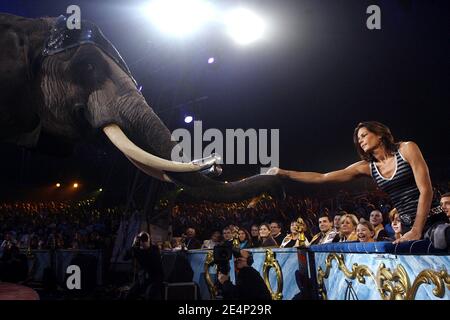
73, 84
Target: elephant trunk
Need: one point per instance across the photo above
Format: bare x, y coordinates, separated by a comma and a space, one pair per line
145, 128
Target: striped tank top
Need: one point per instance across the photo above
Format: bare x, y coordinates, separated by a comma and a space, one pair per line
401, 188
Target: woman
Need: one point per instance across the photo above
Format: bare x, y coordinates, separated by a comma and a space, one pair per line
265, 238
347, 231
398, 169
376, 219
365, 231
244, 239
395, 223
214, 240
292, 239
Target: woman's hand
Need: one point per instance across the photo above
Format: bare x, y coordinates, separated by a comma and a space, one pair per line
274, 171
411, 235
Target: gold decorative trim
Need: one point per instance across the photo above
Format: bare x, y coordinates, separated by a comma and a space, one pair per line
271, 262
209, 261
394, 285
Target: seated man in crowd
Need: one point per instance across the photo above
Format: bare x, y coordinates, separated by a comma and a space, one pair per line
249, 283
275, 230
327, 232
190, 241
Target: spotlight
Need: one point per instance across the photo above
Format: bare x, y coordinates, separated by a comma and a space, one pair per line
211, 60
75, 185
58, 185
188, 119
100, 189
179, 17
244, 26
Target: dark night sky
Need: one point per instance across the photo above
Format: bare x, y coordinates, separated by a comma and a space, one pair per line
318, 74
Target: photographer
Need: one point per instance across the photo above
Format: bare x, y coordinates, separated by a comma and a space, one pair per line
150, 274
249, 283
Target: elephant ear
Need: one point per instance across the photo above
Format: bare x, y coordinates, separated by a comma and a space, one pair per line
20, 47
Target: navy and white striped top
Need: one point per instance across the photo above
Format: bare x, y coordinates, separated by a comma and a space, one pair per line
401, 188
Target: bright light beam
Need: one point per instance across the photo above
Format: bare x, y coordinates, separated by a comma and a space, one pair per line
179, 17
244, 26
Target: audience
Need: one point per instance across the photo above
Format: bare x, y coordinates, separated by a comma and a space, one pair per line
265, 236
365, 231
376, 219
347, 230
275, 230
327, 232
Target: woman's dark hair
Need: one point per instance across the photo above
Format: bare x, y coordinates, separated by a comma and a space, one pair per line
379, 129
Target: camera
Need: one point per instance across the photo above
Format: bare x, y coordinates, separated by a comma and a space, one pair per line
222, 255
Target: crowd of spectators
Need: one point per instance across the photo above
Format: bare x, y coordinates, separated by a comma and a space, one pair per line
272, 223
57, 225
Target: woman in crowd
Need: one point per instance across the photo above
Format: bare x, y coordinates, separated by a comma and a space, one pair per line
294, 239
215, 239
365, 231
347, 231
398, 168
395, 223
244, 239
376, 219
265, 238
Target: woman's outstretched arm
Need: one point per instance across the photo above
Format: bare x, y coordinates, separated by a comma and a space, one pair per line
356, 170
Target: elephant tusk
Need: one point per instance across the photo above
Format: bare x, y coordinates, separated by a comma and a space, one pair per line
132, 151
160, 175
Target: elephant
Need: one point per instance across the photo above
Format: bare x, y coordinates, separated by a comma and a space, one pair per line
66, 86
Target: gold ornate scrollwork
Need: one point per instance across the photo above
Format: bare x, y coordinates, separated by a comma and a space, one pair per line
392, 285
271, 262
209, 261
438, 278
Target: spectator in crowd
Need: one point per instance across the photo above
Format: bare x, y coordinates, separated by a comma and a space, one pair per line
227, 235
244, 239
327, 232
445, 203
275, 230
365, 231
249, 283
151, 275
177, 243
13, 264
293, 239
376, 219
337, 220
347, 231
213, 241
191, 241
395, 223
9, 241
254, 232
265, 237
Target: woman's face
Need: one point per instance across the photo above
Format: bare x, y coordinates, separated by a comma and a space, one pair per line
364, 234
396, 225
242, 236
347, 226
255, 231
367, 140
376, 218
294, 227
264, 232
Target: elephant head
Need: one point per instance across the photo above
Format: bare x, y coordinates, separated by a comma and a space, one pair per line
73, 84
